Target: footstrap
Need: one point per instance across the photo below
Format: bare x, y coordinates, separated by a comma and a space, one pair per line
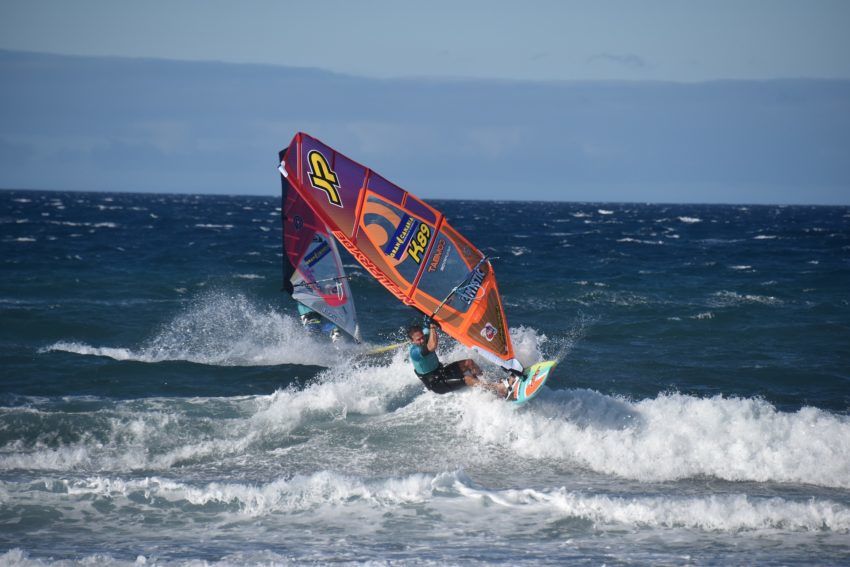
509, 388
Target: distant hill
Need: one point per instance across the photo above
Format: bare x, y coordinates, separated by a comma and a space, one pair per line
154, 125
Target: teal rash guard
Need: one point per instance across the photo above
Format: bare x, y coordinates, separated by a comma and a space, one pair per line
423, 363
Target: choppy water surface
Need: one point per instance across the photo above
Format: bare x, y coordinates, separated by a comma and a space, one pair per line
160, 402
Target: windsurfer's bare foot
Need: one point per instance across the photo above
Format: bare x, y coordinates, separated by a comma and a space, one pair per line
507, 386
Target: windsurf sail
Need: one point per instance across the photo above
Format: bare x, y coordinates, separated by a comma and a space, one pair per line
405, 244
313, 273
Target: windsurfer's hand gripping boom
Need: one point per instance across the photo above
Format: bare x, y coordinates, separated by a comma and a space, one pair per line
428, 322
456, 288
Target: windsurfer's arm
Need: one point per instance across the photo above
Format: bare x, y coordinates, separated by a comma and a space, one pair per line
433, 340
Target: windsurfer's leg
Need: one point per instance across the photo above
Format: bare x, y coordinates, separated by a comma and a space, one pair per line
446, 386
472, 377
500, 388
472, 381
446, 379
470, 373
469, 367
457, 373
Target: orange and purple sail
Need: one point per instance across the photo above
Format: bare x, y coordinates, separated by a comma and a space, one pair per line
405, 244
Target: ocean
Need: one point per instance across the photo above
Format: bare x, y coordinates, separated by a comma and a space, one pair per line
160, 403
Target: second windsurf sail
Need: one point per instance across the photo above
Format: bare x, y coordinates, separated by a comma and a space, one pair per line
313, 273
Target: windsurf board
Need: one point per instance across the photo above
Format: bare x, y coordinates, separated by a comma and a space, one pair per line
532, 381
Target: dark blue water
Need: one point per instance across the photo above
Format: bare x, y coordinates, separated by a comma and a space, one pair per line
160, 400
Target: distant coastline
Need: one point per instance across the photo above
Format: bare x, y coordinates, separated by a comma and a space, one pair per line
89, 123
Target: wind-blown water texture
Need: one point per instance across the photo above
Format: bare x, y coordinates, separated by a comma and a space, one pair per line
160, 402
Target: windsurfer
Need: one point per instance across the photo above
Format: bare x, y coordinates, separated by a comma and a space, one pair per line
312, 321
440, 378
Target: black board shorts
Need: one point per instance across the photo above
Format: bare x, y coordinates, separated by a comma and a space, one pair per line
444, 379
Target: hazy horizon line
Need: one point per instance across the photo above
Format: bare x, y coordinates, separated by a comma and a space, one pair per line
431, 199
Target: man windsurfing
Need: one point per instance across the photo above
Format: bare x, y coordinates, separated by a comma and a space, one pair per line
439, 378
314, 323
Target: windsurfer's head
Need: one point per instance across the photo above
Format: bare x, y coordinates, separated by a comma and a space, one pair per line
415, 334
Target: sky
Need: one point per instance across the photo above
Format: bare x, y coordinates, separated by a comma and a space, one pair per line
458, 50
663, 40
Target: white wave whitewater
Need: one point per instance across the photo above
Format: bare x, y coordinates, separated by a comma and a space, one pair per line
675, 436
361, 450
468, 473
452, 493
666, 438
224, 329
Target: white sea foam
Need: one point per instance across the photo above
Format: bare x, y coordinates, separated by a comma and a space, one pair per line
84, 349
638, 241
225, 330
160, 434
605, 212
86, 224
689, 220
604, 296
732, 298
673, 437
724, 513
354, 388
666, 438
135, 443
455, 491
153, 435
297, 494
519, 250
